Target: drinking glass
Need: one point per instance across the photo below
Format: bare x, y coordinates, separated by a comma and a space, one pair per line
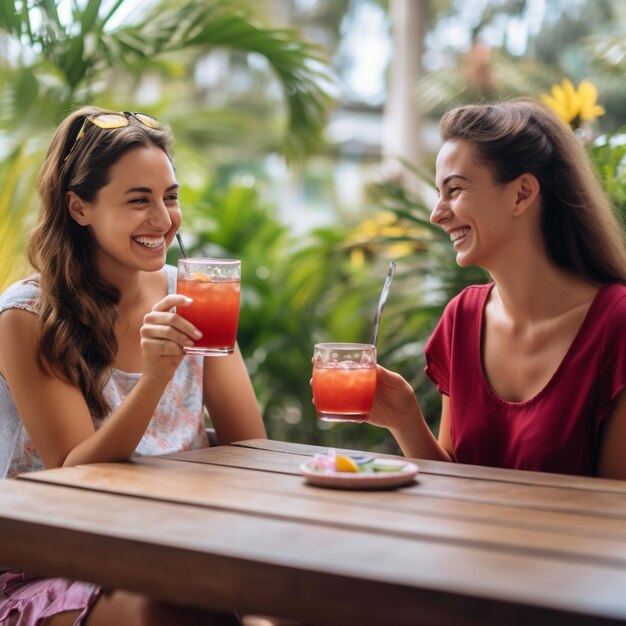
214, 287
344, 381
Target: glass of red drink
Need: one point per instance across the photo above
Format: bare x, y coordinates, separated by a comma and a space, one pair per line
214, 287
344, 381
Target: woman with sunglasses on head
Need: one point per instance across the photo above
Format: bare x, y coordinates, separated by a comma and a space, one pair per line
92, 363
531, 366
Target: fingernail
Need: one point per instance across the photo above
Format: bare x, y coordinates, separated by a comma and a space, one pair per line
197, 334
188, 300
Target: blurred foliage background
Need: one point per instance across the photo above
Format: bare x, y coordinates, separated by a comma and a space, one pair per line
282, 112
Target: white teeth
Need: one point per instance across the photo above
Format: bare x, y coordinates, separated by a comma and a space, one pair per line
455, 235
149, 242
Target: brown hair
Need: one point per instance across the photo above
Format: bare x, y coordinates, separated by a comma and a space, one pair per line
580, 228
77, 308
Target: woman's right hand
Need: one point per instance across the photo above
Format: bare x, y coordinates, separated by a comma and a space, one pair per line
164, 333
396, 408
395, 405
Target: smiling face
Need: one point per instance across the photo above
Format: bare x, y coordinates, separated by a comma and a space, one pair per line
134, 218
476, 211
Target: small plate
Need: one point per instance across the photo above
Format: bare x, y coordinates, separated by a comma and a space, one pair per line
359, 480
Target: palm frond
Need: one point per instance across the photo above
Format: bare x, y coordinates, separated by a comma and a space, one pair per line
83, 58
298, 65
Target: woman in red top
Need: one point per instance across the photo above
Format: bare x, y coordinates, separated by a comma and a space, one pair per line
531, 367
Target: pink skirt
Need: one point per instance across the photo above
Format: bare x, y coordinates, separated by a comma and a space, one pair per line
26, 600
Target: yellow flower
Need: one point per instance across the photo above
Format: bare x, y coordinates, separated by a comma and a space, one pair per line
385, 233
572, 105
563, 101
588, 96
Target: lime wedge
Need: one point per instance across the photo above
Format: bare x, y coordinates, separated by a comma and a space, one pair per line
388, 465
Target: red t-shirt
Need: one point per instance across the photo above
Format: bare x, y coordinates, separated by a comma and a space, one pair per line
555, 431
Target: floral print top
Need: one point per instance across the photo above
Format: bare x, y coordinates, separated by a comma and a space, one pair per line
177, 423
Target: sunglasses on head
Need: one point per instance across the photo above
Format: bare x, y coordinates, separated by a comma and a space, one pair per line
113, 120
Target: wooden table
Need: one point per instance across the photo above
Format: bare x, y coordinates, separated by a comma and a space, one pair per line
236, 527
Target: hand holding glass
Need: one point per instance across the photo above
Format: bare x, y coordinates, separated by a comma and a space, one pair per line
344, 381
214, 287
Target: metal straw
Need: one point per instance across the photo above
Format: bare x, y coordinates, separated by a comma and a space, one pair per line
180, 245
381, 302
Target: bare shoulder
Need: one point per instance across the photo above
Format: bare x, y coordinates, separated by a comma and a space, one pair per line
17, 319
18, 333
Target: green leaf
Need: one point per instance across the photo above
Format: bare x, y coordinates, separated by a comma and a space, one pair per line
10, 19
89, 16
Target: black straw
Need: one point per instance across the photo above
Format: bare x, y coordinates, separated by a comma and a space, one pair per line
180, 244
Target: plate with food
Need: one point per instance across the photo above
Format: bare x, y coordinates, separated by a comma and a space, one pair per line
357, 472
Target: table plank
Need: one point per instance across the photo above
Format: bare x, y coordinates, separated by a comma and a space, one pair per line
285, 497
284, 567
455, 469
408, 499
523, 495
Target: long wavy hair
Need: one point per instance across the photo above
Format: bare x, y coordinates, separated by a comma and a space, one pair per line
77, 307
581, 231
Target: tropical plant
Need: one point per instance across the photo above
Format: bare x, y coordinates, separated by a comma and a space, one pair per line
64, 61
578, 38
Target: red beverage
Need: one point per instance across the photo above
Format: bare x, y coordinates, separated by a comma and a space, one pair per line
344, 392
214, 312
